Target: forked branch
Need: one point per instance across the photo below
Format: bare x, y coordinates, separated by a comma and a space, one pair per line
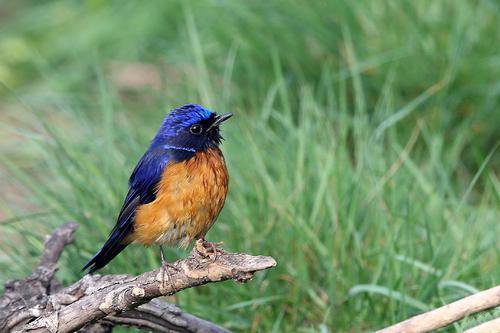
38, 304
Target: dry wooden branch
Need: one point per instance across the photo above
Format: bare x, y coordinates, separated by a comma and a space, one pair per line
160, 316
448, 314
38, 304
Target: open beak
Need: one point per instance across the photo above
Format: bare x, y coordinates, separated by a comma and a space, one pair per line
219, 119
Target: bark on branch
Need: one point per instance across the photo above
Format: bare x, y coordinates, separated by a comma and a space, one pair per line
39, 304
452, 312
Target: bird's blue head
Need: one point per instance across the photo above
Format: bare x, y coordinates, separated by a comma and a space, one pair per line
189, 129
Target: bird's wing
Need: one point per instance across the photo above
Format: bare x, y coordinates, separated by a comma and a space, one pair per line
142, 190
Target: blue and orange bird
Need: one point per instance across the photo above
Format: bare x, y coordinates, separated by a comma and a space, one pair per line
177, 189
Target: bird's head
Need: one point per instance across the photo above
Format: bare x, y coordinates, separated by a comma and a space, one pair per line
190, 128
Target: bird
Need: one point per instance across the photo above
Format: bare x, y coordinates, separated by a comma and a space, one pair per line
177, 189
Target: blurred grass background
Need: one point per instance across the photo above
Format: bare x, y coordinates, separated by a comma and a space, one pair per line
363, 155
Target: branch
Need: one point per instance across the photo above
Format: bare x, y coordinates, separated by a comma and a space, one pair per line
162, 317
116, 299
448, 314
22, 298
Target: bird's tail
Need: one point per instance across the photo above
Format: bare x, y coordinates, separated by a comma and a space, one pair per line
104, 256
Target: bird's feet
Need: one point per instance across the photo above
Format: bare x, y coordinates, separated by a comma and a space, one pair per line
165, 270
166, 277
208, 249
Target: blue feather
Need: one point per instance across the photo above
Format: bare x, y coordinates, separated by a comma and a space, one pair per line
142, 190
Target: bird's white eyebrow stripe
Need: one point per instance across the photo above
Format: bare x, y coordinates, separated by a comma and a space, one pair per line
179, 148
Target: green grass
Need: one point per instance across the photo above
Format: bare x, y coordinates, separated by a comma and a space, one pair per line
363, 156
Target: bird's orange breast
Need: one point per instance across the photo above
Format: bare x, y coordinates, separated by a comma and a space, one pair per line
190, 196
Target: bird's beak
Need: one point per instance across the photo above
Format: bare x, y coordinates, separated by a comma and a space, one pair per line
219, 119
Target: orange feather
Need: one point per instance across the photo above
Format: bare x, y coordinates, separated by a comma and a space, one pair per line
190, 196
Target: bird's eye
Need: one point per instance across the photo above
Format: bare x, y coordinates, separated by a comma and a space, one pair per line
196, 129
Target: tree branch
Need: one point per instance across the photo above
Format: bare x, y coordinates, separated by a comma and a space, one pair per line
448, 314
35, 305
162, 317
